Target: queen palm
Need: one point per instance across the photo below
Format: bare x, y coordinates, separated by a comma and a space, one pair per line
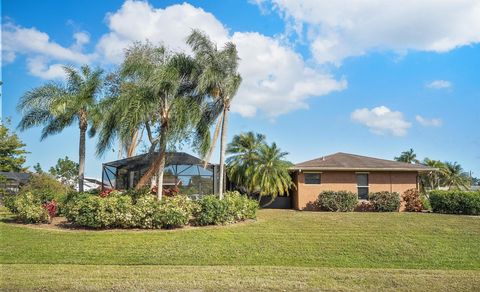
432, 178
271, 173
219, 80
454, 177
244, 155
57, 106
161, 99
408, 157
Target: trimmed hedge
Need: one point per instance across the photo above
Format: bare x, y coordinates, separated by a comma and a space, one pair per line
118, 210
341, 201
385, 201
455, 202
28, 208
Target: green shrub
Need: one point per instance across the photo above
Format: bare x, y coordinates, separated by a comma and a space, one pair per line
385, 201
412, 200
341, 201
234, 207
175, 211
425, 202
46, 188
455, 202
28, 209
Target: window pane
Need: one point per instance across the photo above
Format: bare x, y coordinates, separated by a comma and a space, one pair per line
363, 193
312, 178
362, 180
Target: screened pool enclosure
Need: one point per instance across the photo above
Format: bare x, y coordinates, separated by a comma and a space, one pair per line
183, 172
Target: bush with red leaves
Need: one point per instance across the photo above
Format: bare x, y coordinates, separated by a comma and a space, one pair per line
105, 193
51, 208
412, 201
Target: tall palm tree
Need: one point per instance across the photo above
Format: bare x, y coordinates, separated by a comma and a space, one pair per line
408, 157
271, 173
57, 106
454, 177
432, 178
244, 150
159, 96
219, 80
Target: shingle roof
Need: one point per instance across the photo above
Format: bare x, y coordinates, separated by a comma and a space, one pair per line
345, 161
21, 177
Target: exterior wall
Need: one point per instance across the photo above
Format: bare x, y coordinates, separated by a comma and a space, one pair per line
306, 194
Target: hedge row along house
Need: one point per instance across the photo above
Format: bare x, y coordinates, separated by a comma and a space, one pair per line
354, 173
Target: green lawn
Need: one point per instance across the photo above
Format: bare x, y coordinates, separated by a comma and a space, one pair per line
282, 250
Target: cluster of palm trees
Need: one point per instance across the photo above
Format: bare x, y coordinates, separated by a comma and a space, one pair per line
256, 167
449, 174
166, 96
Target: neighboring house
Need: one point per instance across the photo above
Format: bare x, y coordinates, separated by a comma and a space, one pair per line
12, 181
354, 173
182, 171
89, 184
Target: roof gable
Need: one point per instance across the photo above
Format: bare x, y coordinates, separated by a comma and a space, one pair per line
346, 161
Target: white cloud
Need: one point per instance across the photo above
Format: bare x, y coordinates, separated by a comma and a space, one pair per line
428, 122
345, 28
276, 79
39, 68
381, 120
439, 84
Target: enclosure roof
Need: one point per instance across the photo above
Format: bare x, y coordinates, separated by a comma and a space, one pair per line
173, 158
345, 161
21, 177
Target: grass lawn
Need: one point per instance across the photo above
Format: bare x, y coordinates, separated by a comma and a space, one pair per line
283, 250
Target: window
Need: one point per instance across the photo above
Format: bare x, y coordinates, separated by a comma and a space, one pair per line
312, 178
362, 186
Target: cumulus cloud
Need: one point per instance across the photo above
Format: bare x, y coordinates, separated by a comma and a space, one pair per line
344, 28
428, 122
439, 84
381, 120
276, 79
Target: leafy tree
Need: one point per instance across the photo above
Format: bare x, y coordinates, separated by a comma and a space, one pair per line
12, 152
65, 170
408, 156
38, 168
244, 155
432, 179
454, 177
157, 94
218, 80
58, 106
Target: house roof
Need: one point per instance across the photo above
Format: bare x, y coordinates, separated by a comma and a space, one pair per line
173, 158
21, 177
346, 161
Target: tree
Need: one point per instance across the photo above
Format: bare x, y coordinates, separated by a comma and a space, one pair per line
432, 179
38, 168
58, 106
454, 177
271, 174
241, 165
12, 152
65, 170
408, 157
158, 95
219, 80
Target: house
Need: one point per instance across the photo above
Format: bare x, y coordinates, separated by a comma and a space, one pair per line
12, 181
183, 171
354, 173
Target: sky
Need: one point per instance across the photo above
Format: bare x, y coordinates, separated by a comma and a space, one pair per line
368, 77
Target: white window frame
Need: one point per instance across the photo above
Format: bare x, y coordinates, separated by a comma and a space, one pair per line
363, 187
312, 172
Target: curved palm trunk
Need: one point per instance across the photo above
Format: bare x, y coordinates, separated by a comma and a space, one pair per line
214, 142
81, 156
223, 142
133, 145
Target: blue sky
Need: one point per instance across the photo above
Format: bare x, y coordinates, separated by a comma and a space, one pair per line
319, 77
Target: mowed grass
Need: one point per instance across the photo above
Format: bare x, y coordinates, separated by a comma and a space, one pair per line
282, 250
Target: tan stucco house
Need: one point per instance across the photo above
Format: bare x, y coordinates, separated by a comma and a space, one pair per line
355, 173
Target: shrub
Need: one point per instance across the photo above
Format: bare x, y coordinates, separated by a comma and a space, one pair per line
425, 202
46, 188
341, 201
385, 201
412, 200
28, 209
455, 202
175, 211
233, 208
51, 208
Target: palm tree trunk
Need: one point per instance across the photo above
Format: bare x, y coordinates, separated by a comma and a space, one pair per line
133, 144
214, 142
161, 166
81, 155
223, 142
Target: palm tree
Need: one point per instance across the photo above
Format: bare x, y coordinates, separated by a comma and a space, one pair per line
454, 176
271, 173
158, 96
244, 151
220, 81
432, 178
58, 106
408, 157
